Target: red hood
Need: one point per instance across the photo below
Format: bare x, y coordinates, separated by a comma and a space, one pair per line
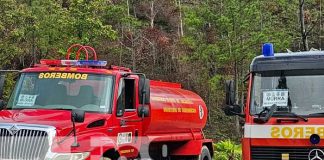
60, 119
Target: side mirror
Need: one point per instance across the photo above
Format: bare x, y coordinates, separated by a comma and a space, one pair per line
120, 111
143, 111
232, 110
230, 92
78, 116
144, 91
2, 104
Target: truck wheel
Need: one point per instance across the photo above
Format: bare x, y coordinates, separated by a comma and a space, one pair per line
119, 158
122, 158
205, 154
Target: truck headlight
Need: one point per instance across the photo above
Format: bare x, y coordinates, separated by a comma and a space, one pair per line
69, 156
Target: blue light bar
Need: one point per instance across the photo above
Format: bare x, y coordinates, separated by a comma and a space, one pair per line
267, 50
91, 63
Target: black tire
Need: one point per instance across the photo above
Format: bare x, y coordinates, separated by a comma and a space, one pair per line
122, 158
205, 154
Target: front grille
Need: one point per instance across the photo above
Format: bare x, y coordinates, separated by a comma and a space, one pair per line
277, 153
23, 144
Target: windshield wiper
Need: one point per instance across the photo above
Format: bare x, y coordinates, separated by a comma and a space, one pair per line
268, 115
56, 108
293, 114
17, 108
320, 113
41, 108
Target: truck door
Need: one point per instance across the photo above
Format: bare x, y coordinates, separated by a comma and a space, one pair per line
128, 136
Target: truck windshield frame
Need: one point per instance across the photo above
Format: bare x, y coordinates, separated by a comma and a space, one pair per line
63, 91
301, 89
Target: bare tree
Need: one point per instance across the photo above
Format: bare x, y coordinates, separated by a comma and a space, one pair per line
320, 26
153, 14
303, 30
128, 14
180, 19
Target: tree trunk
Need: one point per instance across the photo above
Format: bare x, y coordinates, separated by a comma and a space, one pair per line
236, 79
320, 27
152, 14
65, 4
237, 124
134, 9
261, 16
133, 55
303, 31
32, 22
180, 18
128, 14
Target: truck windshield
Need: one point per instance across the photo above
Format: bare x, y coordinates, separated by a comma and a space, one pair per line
297, 91
58, 90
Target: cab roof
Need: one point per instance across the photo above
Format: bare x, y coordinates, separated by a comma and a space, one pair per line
289, 61
112, 70
69, 69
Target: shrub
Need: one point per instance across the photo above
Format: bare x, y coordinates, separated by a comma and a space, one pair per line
227, 150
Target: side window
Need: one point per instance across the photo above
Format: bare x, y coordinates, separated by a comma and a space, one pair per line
129, 94
126, 96
121, 98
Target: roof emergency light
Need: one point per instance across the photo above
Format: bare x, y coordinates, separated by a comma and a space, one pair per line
91, 63
51, 62
77, 62
69, 62
267, 50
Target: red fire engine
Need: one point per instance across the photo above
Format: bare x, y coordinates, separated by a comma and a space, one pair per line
284, 107
81, 109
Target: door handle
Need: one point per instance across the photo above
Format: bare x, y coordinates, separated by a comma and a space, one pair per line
122, 122
136, 135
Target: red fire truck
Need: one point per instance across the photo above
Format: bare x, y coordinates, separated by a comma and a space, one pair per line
284, 106
81, 109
